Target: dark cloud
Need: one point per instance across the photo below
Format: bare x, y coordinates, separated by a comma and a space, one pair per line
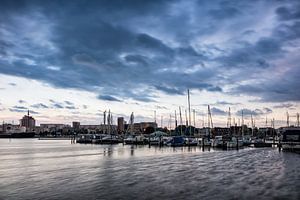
291, 13
108, 98
132, 49
21, 101
33, 112
169, 90
224, 13
12, 84
217, 111
70, 107
256, 112
69, 103
18, 109
284, 105
39, 105
161, 107
84, 106
225, 103
57, 105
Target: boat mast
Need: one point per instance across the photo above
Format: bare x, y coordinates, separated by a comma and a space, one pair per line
131, 123
189, 104
170, 123
194, 116
180, 120
252, 124
108, 121
175, 120
287, 119
27, 122
104, 121
229, 119
297, 119
210, 123
155, 120
242, 122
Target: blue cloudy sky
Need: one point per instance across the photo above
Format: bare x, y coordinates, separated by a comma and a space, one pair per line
71, 60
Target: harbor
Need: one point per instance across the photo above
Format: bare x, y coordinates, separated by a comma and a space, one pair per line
149, 100
48, 169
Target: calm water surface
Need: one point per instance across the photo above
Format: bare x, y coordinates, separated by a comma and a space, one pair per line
36, 169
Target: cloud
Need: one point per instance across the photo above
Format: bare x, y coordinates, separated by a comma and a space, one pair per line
288, 13
284, 105
21, 101
225, 103
217, 111
57, 105
139, 46
20, 109
12, 84
69, 103
84, 106
108, 98
39, 105
70, 107
255, 112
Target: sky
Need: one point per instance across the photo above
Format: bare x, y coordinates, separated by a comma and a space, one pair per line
72, 60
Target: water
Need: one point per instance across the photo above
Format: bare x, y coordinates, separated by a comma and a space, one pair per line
36, 169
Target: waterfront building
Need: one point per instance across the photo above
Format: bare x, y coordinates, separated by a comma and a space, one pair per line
121, 124
28, 122
53, 127
142, 126
103, 128
12, 128
76, 125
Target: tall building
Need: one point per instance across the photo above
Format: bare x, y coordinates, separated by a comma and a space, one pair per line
120, 124
76, 125
28, 122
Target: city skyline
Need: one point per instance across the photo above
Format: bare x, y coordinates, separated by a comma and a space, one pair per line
72, 61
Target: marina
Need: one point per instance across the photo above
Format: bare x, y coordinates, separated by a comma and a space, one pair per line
48, 169
146, 100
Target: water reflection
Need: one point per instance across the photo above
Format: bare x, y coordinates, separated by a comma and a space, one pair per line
33, 169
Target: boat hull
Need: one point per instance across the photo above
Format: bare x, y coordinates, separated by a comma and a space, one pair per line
18, 135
